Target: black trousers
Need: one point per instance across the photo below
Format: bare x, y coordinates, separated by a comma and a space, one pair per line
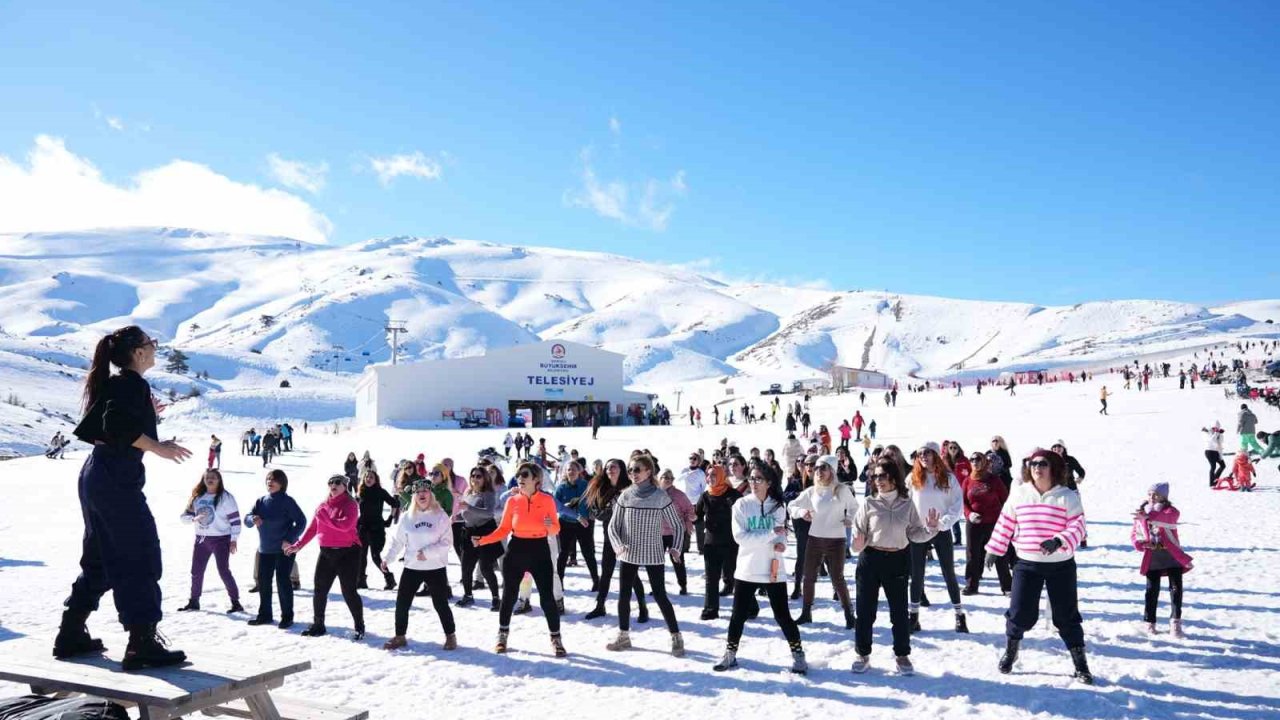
718, 561
531, 555
437, 586
976, 558
486, 556
280, 566
682, 575
628, 574
343, 564
1153, 593
372, 540
1024, 604
120, 550
878, 569
699, 527
801, 528
745, 604
945, 551
1216, 465
608, 560
573, 534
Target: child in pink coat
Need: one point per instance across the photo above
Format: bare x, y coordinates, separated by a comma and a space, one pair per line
1155, 533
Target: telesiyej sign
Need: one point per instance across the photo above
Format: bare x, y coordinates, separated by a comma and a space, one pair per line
559, 373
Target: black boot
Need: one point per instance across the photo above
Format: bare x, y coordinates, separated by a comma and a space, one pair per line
73, 637
1082, 665
148, 648
924, 599
191, 605
915, 622
523, 607
236, 607
805, 616
1010, 654
391, 581
849, 618
362, 583
962, 626
596, 612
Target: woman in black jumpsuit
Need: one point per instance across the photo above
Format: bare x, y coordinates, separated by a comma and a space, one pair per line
121, 550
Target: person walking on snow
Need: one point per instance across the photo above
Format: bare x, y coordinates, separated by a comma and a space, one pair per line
1247, 426
857, 424
1213, 452
1155, 534
1103, 396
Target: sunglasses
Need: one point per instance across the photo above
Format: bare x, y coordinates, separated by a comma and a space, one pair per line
637, 468
335, 483
977, 458
758, 480
477, 475
1055, 448
1038, 464
524, 474
878, 476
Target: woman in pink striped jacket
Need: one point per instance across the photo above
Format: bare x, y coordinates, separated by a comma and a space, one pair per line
1044, 520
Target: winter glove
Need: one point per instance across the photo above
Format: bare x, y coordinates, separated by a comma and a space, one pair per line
1050, 546
991, 560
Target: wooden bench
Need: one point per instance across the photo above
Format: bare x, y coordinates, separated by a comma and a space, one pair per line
208, 684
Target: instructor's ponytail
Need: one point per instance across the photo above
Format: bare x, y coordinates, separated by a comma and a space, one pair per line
114, 349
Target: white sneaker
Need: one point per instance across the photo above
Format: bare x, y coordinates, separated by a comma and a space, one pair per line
861, 664
904, 666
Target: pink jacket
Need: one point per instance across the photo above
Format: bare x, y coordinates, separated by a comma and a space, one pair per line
334, 523
1162, 527
845, 431
684, 509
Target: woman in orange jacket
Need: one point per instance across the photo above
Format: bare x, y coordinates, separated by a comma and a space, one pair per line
529, 518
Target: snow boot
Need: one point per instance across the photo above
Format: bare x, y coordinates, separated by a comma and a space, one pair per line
597, 612
710, 614
391, 581
286, 622
728, 662
395, 643
904, 666
557, 645
148, 648
1082, 665
1175, 627
677, 645
191, 605
962, 625
621, 642
236, 607
798, 664
450, 642
73, 637
850, 620
1151, 629
860, 664
501, 646
466, 601
316, 630
1010, 654
805, 616
915, 622
524, 607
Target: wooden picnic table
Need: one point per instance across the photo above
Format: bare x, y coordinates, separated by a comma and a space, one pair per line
204, 684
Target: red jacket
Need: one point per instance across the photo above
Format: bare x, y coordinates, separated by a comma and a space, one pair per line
985, 495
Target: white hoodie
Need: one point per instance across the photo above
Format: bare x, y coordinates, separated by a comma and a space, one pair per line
425, 538
830, 507
754, 531
693, 481
214, 520
949, 503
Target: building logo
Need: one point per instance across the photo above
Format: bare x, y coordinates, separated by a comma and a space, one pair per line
557, 351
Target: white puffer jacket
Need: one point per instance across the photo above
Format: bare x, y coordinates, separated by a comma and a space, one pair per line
755, 530
425, 538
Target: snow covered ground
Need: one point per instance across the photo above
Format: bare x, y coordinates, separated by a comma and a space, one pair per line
1226, 668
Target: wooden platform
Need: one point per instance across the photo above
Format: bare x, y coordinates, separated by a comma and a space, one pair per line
207, 684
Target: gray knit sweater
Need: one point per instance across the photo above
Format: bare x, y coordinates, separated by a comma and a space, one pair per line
637, 525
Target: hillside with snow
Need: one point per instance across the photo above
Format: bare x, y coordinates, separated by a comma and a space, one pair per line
250, 312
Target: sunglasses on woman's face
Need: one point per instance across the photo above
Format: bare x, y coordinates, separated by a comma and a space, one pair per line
758, 480
637, 468
1038, 464
977, 458
336, 483
477, 475
524, 474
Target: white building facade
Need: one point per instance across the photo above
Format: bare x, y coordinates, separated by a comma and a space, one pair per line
846, 378
547, 383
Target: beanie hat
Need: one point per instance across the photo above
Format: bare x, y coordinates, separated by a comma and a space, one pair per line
830, 461
935, 447
1042, 453
1160, 488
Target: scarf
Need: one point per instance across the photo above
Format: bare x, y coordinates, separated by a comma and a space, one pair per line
719, 485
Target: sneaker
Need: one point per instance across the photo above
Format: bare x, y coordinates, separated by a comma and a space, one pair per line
466, 601
861, 663
798, 664
191, 605
501, 646
558, 646
524, 607
316, 630
904, 666
450, 642
728, 662
236, 607
677, 645
621, 642
597, 612
395, 643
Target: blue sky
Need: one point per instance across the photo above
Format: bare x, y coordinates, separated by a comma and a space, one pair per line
1039, 151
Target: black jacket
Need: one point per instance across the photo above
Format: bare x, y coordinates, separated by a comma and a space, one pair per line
122, 412
371, 501
716, 513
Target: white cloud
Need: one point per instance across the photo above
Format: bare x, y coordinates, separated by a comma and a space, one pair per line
648, 203
115, 123
298, 174
615, 126
415, 164
59, 190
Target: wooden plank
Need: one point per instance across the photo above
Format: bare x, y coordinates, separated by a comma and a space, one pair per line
296, 709
262, 707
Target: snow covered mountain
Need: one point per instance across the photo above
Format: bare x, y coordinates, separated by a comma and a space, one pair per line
251, 311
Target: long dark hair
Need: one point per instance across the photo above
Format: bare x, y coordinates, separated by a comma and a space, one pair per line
201, 490
600, 492
377, 482
114, 349
775, 482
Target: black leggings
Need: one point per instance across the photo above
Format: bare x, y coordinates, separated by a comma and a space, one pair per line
437, 586
373, 540
801, 528
1153, 593
531, 555
945, 549
344, 564
607, 563
682, 575
744, 604
629, 574
574, 535
719, 561
1216, 465
481, 555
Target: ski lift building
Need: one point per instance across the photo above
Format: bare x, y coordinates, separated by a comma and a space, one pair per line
844, 378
